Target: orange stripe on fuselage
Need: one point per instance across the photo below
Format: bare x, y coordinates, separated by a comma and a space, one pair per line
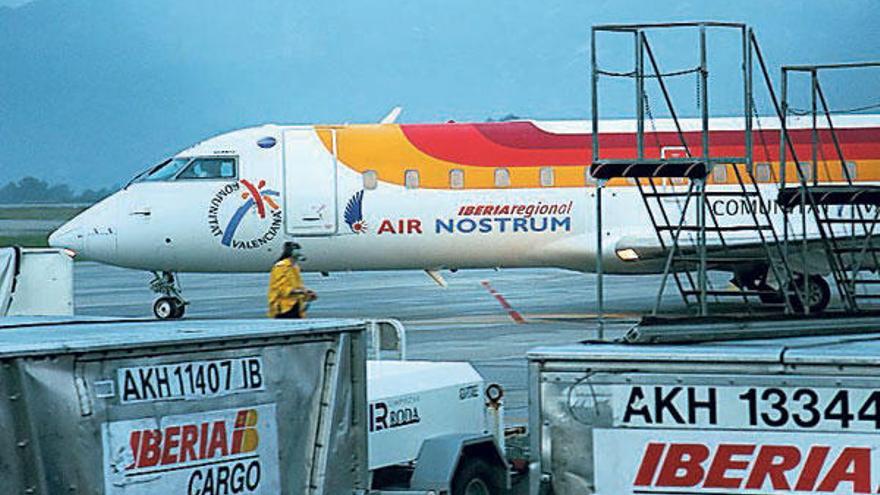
521, 147
385, 149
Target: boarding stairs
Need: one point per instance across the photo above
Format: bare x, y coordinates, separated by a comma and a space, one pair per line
846, 214
679, 216
674, 216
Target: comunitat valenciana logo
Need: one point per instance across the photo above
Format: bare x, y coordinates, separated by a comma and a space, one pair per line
245, 214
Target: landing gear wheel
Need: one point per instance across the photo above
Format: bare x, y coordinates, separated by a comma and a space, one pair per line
168, 308
818, 298
476, 477
171, 305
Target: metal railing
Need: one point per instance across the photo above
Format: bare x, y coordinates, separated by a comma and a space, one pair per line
846, 253
681, 260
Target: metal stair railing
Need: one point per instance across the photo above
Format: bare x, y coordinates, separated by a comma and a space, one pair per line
808, 201
683, 240
846, 256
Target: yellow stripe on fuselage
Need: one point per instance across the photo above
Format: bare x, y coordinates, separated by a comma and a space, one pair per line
385, 149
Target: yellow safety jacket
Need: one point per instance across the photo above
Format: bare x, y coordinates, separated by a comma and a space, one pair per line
284, 280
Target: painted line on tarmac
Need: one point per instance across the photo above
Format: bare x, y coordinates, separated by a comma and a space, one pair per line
514, 314
625, 317
482, 320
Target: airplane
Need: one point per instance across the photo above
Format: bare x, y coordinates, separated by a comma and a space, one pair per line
444, 196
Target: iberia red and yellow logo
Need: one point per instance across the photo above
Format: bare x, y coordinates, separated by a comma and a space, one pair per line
185, 443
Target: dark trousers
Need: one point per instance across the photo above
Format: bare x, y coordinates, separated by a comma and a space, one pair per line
294, 313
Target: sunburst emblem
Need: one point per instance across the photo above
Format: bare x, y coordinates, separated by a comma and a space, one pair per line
354, 215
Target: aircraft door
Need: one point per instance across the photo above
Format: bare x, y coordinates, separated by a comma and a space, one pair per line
309, 183
669, 184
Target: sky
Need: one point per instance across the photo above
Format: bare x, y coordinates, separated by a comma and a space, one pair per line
93, 91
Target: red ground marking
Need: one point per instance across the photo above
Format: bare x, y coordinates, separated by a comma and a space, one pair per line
514, 314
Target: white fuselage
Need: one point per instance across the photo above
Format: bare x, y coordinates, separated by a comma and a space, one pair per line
167, 225
309, 194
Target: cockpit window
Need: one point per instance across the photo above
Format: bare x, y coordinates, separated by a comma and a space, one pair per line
209, 168
165, 170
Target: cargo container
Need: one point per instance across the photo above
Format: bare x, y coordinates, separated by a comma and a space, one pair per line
793, 414
129, 407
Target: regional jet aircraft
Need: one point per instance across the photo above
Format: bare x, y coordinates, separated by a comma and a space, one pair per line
393, 196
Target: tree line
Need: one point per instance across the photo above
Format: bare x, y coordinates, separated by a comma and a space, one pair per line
34, 190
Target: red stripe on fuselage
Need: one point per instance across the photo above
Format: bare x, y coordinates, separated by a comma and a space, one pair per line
526, 135
522, 144
467, 144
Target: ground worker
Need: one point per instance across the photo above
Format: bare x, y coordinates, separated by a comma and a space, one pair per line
288, 297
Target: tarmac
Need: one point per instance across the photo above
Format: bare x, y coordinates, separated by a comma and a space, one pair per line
488, 317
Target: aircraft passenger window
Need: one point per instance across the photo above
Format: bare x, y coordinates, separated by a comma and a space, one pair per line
806, 171
719, 174
209, 168
411, 179
762, 172
166, 170
851, 170
371, 179
547, 177
502, 177
456, 178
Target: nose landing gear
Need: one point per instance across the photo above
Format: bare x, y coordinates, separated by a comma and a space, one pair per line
172, 305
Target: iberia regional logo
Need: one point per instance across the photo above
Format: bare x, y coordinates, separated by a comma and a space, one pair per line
354, 214
227, 217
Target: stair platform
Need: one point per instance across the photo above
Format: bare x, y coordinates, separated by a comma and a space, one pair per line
671, 168
790, 197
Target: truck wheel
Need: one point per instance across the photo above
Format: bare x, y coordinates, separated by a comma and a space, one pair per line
476, 477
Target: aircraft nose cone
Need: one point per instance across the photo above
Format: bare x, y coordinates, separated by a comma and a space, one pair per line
67, 237
91, 234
